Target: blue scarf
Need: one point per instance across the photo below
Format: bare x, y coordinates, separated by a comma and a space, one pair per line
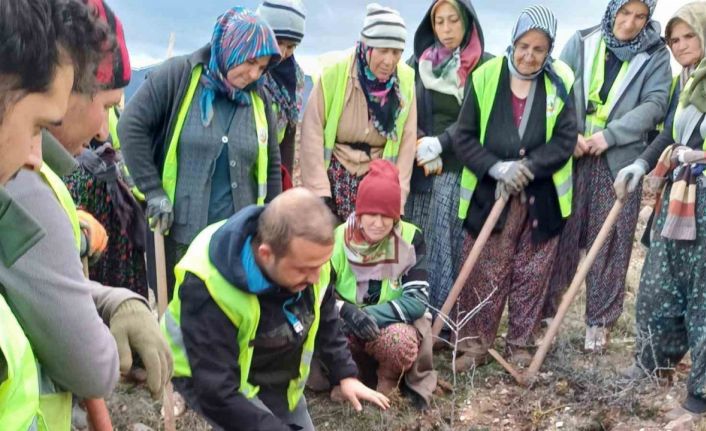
238, 36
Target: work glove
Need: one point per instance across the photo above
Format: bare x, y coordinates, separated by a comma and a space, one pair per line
515, 174
359, 323
159, 210
433, 167
428, 148
628, 178
502, 191
684, 154
94, 239
135, 328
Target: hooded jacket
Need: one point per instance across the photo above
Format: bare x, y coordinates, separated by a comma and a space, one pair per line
641, 102
427, 113
210, 337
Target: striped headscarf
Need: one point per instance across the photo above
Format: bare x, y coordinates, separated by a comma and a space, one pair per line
238, 36
625, 51
537, 18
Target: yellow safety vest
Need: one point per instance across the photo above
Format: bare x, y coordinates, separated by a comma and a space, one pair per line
334, 80
170, 172
346, 284
19, 393
485, 84
672, 90
115, 142
55, 406
242, 309
598, 120
64, 197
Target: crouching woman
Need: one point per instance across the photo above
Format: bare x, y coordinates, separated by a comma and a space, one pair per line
380, 275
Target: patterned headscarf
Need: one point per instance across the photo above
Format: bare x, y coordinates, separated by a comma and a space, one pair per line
625, 51
238, 36
383, 97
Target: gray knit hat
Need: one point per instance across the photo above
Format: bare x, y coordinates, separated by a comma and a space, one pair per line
383, 27
285, 17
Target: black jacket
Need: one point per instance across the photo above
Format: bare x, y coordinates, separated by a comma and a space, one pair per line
423, 39
502, 142
211, 339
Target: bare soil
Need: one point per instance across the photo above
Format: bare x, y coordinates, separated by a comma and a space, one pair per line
575, 391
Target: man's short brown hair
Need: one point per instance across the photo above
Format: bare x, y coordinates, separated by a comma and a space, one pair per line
296, 213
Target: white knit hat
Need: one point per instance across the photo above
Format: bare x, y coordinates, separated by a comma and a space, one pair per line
285, 18
383, 27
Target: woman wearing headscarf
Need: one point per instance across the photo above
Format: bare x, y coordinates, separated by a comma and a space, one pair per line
284, 82
199, 137
363, 108
621, 93
670, 310
515, 136
380, 270
685, 34
448, 46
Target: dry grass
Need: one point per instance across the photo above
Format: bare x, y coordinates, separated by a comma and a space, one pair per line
574, 391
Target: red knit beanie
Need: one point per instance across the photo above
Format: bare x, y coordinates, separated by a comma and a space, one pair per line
114, 71
379, 191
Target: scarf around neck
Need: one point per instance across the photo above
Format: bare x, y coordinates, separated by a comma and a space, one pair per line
387, 259
445, 70
284, 84
383, 98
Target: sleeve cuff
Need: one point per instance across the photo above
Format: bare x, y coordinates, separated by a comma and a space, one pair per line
609, 138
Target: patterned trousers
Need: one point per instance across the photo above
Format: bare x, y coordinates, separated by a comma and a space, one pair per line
436, 213
518, 270
605, 284
671, 302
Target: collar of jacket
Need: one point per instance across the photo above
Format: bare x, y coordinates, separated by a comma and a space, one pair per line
20, 231
55, 155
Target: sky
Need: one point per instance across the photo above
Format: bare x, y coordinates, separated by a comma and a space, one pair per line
335, 25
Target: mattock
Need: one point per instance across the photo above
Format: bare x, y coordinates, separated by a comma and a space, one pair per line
526, 377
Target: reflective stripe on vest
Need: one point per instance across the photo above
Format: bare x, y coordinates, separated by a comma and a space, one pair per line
334, 81
19, 392
170, 171
597, 121
346, 284
64, 197
242, 309
485, 84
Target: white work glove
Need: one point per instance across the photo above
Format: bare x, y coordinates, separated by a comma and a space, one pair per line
629, 177
428, 148
433, 167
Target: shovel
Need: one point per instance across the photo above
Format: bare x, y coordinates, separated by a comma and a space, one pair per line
470, 262
527, 377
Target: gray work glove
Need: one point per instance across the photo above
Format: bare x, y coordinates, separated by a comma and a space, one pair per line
515, 174
359, 323
136, 331
629, 177
159, 210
